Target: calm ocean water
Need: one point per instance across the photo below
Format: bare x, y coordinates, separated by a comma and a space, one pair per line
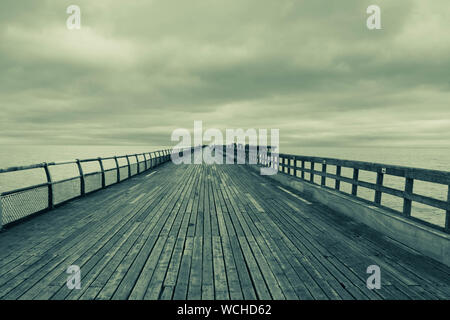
428, 158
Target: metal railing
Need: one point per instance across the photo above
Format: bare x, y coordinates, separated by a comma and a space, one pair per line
316, 170
23, 202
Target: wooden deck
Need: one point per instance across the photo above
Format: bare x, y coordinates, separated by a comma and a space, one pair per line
207, 232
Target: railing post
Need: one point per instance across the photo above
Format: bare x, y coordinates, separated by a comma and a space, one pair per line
118, 169
311, 174
409, 184
50, 186
447, 213
324, 173
129, 167
103, 172
355, 181
337, 182
303, 169
290, 166
82, 181
378, 193
137, 164
295, 166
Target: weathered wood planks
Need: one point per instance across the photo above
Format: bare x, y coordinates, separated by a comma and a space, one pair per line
207, 232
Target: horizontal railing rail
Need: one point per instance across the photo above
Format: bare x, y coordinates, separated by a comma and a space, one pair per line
19, 203
298, 166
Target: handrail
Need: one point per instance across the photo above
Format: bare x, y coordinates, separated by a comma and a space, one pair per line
282, 162
158, 158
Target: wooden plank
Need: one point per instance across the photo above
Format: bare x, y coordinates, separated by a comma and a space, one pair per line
220, 278
181, 286
195, 280
409, 183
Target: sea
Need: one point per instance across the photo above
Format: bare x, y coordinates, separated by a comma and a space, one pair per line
427, 158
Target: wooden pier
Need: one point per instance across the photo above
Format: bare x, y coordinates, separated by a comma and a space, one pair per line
207, 232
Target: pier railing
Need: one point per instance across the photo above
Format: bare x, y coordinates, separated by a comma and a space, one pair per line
366, 181
329, 173
20, 203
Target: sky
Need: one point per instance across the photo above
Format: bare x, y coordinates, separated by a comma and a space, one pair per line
137, 70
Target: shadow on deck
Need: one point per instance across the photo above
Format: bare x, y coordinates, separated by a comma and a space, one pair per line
207, 232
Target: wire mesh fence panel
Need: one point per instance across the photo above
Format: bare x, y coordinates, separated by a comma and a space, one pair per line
139, 167
133, 169
141, 163
92, 182
123, 173
66, 190
110, 177
21, 204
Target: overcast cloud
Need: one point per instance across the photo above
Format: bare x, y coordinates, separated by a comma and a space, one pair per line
139, 69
